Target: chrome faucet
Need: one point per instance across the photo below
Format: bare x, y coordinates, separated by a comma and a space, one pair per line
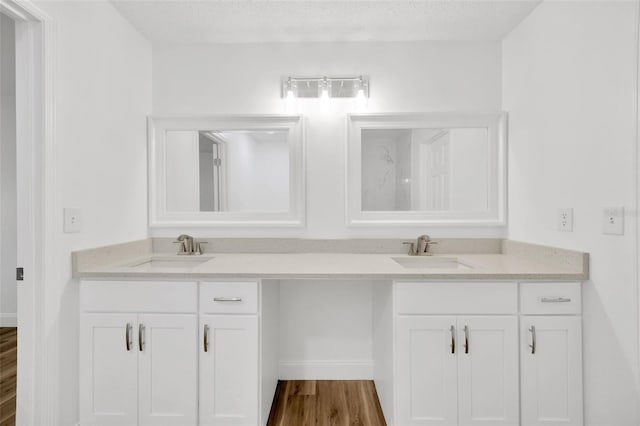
421, 246
188, 245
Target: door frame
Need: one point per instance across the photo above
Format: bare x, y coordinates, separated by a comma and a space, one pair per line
35, 180
636, 216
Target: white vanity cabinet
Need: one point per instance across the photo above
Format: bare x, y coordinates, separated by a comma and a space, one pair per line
176, 353
551, 354
138, 367
456, 369
229, 355
481, 353
447, 353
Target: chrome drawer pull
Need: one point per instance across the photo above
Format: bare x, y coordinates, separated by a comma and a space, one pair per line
555, 300
453, 339
128, 337
466, 339
141, 339
227, 299
532, 330
206, 338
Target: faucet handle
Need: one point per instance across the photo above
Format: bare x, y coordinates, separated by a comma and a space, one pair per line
199, 246
183, 247
412, 247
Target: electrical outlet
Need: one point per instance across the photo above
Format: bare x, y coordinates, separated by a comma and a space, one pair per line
613, 220
565, 220
72, 221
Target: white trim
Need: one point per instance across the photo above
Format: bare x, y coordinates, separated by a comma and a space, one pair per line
13, 11
36, 391
495, 123
8, 320
636, 171
326, 370
159, 217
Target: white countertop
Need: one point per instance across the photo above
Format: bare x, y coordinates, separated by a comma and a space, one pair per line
340, 265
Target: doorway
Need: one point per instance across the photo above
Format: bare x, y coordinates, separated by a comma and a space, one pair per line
8, 223
32, 205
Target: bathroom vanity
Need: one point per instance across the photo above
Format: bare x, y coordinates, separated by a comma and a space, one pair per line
458, 339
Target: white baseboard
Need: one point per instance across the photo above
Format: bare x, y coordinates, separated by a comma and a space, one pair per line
326, 370
8, 320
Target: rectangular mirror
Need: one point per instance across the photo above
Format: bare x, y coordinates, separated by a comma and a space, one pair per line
426, 169
226, 171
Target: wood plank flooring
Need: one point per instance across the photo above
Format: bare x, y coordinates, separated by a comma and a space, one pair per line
326, 403
8, 365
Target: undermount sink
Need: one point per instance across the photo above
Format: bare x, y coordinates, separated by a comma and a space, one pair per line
164, 263
424, 262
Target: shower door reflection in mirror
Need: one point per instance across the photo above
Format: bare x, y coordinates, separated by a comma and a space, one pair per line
426, 168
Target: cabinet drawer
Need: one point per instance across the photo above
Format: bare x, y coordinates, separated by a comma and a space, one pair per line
229, 297
456, 298
550, 298
138, 296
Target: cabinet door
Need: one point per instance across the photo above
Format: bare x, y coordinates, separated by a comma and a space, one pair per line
168, 369
108, 370
426, 384
228, 370
488, 371
551, 374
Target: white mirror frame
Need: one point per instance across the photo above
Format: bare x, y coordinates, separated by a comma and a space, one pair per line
159, 216
495, 123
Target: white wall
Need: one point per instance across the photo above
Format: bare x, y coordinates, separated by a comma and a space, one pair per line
245, 78
326, 329
8, 237
103, 95
569, 87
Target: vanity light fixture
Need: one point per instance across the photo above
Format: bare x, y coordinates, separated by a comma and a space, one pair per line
325, 87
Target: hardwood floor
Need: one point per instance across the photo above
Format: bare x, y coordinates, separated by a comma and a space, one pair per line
8, 365
326, 403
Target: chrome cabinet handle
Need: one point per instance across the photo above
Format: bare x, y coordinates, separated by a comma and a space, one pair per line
206, 338
555, 300
227, 299
532, 330
453, 339
128, 337
466, 339
141, 341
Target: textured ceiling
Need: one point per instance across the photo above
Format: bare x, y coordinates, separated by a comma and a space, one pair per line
264, 21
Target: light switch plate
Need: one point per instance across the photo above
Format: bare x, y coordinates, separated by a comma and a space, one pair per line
613, 220
565, 220
72, 221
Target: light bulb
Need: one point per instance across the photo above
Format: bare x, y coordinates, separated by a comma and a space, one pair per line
290, 99
324, 95
361, 99
290, 102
